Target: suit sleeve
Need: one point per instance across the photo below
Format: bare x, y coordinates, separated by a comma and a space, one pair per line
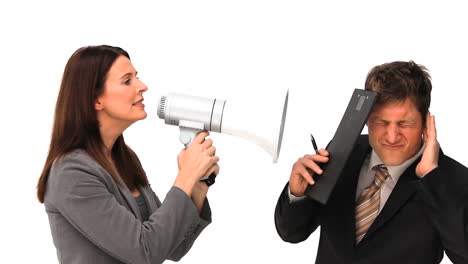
78, 192
186, 244
295, 221
445, 194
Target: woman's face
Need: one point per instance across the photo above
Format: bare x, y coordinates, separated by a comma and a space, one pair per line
122, 100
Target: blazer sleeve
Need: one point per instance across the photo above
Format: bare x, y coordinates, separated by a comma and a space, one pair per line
81, 194
297, 220
444, 192
183, 248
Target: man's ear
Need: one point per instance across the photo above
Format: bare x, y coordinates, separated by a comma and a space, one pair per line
98, 106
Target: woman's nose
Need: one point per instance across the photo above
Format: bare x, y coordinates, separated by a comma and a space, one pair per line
142, 88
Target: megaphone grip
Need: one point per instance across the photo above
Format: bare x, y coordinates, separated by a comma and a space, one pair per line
210, 180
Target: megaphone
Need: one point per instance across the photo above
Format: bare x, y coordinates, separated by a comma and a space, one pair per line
256, 120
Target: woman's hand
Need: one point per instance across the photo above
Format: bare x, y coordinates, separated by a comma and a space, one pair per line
195, 162
200, 189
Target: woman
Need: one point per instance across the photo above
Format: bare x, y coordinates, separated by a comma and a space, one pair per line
100, 205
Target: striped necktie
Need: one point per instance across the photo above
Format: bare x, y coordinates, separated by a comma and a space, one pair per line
367, 206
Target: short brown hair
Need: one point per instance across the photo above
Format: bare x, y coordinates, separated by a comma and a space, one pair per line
399, 80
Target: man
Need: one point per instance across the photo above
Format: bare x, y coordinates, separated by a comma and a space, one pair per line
400, 199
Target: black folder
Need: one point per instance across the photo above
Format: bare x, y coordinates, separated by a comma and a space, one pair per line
342, 144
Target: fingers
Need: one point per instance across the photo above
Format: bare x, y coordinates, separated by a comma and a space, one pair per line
214, 160
317, 158
431, 126
211, 151
430, 132
312, 165
307, 166
200, 137
324, 152
304, 173
207, 143
214, 169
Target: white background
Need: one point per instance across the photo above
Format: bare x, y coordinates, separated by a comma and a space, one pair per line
320, 50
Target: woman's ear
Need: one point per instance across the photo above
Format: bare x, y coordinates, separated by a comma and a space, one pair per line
98, 105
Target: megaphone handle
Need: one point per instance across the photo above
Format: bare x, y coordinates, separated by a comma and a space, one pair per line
210, 180
186, 137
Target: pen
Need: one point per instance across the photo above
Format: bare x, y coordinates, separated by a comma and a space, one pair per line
314, 144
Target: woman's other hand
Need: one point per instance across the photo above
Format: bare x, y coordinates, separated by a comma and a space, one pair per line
196, 162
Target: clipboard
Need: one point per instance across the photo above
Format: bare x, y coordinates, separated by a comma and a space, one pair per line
342, 144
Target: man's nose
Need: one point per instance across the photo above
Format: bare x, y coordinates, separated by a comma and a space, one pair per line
393, 133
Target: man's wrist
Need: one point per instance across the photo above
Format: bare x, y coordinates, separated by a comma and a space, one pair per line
423, 174
293, 198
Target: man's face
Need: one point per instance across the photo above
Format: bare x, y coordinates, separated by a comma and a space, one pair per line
395, 131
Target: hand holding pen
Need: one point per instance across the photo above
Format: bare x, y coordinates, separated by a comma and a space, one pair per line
305, 169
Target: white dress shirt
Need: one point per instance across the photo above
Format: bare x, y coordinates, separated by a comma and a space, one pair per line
366, 176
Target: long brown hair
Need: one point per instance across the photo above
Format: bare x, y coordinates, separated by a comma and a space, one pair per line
76, 125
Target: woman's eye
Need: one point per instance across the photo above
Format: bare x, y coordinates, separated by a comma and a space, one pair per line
127, 82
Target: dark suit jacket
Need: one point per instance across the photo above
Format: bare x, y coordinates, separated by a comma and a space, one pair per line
421, 218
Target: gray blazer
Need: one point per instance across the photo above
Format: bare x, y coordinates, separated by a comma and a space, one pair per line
94, 220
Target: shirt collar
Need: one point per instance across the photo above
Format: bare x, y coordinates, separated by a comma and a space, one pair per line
394, 171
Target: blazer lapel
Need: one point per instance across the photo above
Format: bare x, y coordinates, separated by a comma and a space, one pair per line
147, 192
400, 194
128, 197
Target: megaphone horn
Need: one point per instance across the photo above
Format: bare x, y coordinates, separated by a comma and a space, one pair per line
259, 121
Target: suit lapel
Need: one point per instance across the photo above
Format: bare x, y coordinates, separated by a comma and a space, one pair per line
400, 194
128, 197
147, 192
